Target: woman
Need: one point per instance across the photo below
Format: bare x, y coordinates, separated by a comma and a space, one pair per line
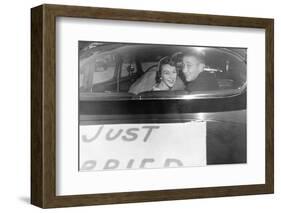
166, 75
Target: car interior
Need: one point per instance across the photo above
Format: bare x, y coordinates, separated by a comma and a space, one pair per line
115, 70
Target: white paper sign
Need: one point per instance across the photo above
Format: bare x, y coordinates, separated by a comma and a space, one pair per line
142, 146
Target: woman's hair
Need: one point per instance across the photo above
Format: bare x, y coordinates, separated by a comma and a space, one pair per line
163, 61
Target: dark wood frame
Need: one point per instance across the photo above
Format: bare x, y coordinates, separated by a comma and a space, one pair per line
43, 105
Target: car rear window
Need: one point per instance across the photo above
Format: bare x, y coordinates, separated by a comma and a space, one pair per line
134, 71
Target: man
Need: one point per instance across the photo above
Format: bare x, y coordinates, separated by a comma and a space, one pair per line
192, 76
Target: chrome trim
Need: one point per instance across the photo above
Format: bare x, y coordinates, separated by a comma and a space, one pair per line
235, 117
192, 96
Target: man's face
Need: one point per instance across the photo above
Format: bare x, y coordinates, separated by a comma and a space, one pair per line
192, 67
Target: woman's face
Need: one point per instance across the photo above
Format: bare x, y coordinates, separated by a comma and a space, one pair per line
168, 75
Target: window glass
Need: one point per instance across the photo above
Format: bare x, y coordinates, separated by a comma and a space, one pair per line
96, 70
104, 69
162, 71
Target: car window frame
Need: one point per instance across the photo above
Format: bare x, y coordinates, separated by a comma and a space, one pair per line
113, 96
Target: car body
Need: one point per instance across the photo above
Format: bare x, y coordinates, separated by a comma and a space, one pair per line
108, 70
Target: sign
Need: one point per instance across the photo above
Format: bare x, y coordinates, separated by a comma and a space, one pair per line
142, 146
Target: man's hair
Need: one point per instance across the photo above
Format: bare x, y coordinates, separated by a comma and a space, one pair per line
199, 55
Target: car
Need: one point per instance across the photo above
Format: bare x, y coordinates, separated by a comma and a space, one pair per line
108, 71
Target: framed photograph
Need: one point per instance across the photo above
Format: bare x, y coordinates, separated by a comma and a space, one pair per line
136, 106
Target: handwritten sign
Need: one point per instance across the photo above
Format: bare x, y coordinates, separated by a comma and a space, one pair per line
142, 146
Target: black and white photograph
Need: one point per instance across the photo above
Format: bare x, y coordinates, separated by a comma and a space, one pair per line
160, 106
132, 106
